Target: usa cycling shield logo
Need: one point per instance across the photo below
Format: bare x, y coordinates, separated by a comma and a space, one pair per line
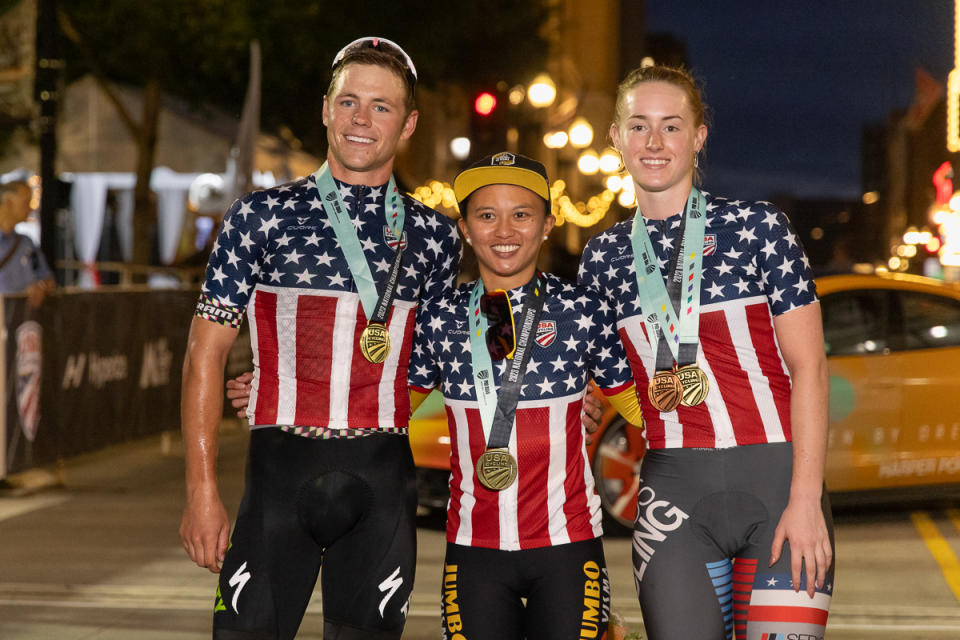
546, 333
709, 244
391, 238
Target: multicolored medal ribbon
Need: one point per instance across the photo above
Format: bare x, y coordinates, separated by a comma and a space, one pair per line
496, 467
375, 338
675, 382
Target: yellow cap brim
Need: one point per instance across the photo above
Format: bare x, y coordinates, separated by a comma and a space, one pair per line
473, 179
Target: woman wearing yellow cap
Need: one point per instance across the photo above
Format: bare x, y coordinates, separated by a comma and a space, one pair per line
512, 353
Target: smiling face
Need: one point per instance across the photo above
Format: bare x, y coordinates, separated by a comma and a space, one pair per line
506, 225
658, 136
366, 118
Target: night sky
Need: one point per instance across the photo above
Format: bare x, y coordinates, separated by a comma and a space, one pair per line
792, 82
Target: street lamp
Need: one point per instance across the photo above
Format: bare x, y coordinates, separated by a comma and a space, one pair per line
589, 162
542, 91
581, 133
610, 161
555, 139
460, 147
628, 195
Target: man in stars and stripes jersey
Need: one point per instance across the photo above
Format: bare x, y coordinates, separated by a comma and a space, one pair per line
314, 264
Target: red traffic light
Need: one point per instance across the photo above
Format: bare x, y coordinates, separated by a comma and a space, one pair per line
485, 103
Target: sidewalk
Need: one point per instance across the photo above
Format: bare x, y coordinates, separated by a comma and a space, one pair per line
98, 556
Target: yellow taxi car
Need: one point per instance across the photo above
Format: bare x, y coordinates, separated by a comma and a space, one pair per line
893, 347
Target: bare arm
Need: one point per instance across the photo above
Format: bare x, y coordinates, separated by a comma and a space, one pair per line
800, 334
205, 528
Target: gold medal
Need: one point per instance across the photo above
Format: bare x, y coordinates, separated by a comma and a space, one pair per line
375, 343
665, 391
496, 469
695, 385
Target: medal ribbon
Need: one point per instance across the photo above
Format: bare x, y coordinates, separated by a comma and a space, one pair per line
660, 312
375, 306
497, 410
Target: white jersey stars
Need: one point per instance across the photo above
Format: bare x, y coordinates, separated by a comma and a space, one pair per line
278, 248
561, 337
287, 229
546, 423
753, 270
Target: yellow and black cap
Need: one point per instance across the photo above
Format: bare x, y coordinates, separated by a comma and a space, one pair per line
502, 168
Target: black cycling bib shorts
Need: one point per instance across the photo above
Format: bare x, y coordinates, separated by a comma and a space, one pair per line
565, 587
348, 504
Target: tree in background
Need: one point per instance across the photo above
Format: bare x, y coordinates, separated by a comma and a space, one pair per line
198, 50
187, 48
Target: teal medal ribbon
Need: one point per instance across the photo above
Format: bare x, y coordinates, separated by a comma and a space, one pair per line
482, 364
496, 467
659, 314
375, 339
673, 321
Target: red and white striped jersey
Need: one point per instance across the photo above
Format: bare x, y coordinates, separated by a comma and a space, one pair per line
277, 257
552, 501
753, 269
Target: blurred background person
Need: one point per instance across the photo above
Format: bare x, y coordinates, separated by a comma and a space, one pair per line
23, 269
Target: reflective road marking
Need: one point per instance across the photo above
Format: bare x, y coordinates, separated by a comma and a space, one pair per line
11, 507
939, 548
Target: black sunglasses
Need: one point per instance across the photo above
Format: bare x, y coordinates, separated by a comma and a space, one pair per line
500, 335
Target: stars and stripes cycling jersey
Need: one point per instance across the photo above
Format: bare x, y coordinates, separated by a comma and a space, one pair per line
277, 257
552, 500
754, 269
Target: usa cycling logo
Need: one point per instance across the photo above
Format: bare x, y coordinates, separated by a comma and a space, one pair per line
391, 238
709, 244
29, 367
546, 333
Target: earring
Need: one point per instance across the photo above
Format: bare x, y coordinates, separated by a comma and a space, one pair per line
469, 241
544, 236
696, 160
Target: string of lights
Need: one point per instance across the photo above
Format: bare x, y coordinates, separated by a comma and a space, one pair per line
439, 195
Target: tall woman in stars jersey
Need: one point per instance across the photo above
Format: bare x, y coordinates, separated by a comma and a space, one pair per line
523, 520
718, 313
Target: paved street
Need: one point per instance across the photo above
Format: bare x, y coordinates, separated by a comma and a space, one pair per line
99, 558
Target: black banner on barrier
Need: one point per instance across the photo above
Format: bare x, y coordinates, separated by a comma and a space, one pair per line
92, 369
31, 435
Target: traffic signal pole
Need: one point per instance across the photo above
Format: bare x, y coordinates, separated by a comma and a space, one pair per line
47, 80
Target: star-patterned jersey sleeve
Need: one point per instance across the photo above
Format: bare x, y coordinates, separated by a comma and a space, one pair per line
547, 435
234, 265
441, 257
424, 373
606, 266
608, 360
753, 269
784, 267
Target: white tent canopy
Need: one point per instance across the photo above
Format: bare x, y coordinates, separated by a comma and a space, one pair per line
88, 206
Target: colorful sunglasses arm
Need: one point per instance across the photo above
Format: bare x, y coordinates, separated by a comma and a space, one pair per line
628, 404
417, 396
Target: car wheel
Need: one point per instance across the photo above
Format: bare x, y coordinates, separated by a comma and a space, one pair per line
616, 469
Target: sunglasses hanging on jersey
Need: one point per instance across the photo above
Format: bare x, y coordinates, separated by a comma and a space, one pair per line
500, 335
